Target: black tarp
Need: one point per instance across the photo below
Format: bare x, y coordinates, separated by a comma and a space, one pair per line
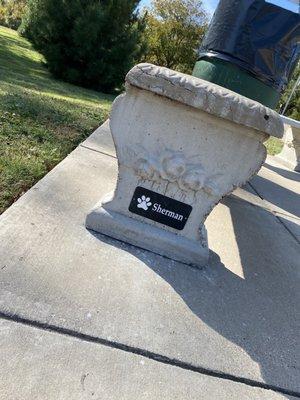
257, 36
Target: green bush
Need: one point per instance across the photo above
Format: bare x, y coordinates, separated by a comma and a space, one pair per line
90, 43
11, 12
174, 30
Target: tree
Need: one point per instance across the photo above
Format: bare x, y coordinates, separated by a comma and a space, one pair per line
91, 43
11, 12
293, 109
174, 30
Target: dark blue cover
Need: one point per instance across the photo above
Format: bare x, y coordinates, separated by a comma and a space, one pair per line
257, 36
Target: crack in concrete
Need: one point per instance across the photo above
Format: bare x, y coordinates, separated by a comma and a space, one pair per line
144, 353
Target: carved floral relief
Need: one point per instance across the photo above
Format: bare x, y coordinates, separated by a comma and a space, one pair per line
174, 167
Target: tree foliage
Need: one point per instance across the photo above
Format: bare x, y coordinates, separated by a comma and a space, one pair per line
91, 43
11, 12
174, 30
293, 109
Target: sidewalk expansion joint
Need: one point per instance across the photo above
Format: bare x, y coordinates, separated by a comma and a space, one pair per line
275, 214
143, 353
97, 151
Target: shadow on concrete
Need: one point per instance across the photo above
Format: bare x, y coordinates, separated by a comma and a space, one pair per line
278, 195
258, 312
292, 175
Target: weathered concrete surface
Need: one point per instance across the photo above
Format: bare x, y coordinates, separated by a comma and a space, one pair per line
101, 140
239, 316
39, 365
280, 189
210, 144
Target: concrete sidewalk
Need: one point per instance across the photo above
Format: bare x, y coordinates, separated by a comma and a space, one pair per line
85, 316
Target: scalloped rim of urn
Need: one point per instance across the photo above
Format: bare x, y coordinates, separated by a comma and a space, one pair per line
206, 96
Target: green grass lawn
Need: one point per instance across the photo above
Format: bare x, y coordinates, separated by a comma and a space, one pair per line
41, 119
274, 146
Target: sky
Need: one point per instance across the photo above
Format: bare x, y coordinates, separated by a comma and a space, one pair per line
210, 5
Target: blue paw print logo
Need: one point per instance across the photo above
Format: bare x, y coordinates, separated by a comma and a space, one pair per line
144, 203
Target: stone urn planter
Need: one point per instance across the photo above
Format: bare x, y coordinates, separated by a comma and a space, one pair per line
182, 144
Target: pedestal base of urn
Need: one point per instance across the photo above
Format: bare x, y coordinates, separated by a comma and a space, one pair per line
148, 237
182, 144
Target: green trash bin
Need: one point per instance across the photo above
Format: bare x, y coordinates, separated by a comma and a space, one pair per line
252, 48
232, 77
